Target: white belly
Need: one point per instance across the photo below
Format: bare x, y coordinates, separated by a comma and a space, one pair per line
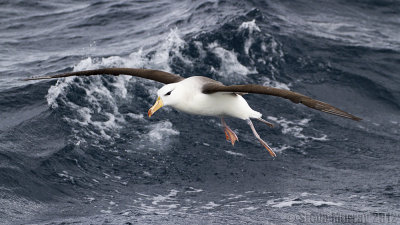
218, 104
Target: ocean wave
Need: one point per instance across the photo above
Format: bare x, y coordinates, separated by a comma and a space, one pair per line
96, 108
237, 49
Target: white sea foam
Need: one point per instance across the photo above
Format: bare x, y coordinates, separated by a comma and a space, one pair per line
66, 176
55, 91
295, 202
106, 211
147, 173
251, 26
234, 196
302, 199
90, 199
250, 208
165, 198
135, 116
159, 204
193, 190
161, 131
210, 205
230, 65
295, 128
172, 45
235, 153
274, 83
282, 148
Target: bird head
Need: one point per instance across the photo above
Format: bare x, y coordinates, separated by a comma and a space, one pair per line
166, 96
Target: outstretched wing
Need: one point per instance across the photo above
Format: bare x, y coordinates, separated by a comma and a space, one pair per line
292, 96
155, 75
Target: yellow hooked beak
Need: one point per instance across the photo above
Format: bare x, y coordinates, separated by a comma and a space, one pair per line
159, 103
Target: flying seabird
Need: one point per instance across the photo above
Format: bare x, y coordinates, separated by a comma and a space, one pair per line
204, 96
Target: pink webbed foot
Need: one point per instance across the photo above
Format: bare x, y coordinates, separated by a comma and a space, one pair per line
229, 134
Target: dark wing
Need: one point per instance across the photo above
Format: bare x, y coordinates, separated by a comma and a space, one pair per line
292, 96
155, 75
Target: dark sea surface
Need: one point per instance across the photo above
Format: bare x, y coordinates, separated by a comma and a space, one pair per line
83, 151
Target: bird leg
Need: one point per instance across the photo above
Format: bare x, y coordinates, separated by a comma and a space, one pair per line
272, 153
266, 122
229, 134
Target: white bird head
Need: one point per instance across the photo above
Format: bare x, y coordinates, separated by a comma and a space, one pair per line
167, 96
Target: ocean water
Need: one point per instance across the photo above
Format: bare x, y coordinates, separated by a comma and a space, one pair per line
83, 151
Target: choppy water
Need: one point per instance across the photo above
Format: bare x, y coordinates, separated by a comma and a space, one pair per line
82, 150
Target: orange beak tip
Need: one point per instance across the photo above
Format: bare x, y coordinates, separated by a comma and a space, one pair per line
159, 103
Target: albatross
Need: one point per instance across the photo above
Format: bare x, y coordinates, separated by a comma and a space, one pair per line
204, 96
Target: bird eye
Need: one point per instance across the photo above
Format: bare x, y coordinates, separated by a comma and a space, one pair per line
168, 93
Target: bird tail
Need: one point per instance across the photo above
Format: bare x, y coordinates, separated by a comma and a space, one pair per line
257, 115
